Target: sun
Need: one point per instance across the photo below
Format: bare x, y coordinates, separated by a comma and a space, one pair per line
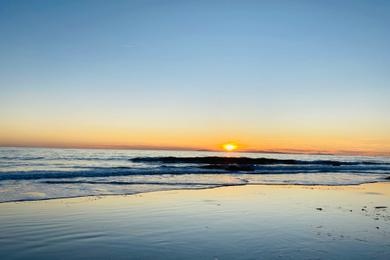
229, 147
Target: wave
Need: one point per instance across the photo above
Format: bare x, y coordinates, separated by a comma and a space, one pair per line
24, 158
242, 182
83, 171
218, 160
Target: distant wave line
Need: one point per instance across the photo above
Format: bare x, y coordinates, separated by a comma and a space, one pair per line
246, 160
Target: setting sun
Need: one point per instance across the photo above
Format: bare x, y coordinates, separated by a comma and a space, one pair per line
229, 147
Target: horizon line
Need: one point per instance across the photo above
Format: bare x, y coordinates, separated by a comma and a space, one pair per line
179, 148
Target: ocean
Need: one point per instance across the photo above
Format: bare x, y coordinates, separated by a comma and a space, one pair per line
43, 173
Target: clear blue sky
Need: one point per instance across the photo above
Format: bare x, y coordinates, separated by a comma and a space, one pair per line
242, 70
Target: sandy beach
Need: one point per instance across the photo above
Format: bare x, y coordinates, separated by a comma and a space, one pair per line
237, 222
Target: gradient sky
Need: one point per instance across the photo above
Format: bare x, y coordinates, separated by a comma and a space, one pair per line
269, 75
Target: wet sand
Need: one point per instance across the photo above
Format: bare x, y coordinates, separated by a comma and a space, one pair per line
238, 222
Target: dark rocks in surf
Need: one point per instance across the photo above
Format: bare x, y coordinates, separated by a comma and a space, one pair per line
212, 160
220, 160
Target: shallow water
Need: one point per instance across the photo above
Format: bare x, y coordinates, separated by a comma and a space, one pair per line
33, 174
240, 222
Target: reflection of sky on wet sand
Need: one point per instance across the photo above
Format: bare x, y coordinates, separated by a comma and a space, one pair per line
232, 222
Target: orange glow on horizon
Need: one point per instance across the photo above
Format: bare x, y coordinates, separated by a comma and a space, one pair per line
79, 135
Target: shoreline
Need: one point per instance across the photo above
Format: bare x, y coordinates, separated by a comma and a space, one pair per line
191, 189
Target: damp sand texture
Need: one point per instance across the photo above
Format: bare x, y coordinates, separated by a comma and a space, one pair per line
238, 222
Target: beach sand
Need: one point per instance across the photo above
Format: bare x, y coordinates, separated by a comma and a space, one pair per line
237, 222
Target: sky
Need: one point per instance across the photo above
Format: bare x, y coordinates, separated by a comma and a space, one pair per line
310, 76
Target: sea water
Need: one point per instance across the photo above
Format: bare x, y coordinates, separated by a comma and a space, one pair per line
37, 173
